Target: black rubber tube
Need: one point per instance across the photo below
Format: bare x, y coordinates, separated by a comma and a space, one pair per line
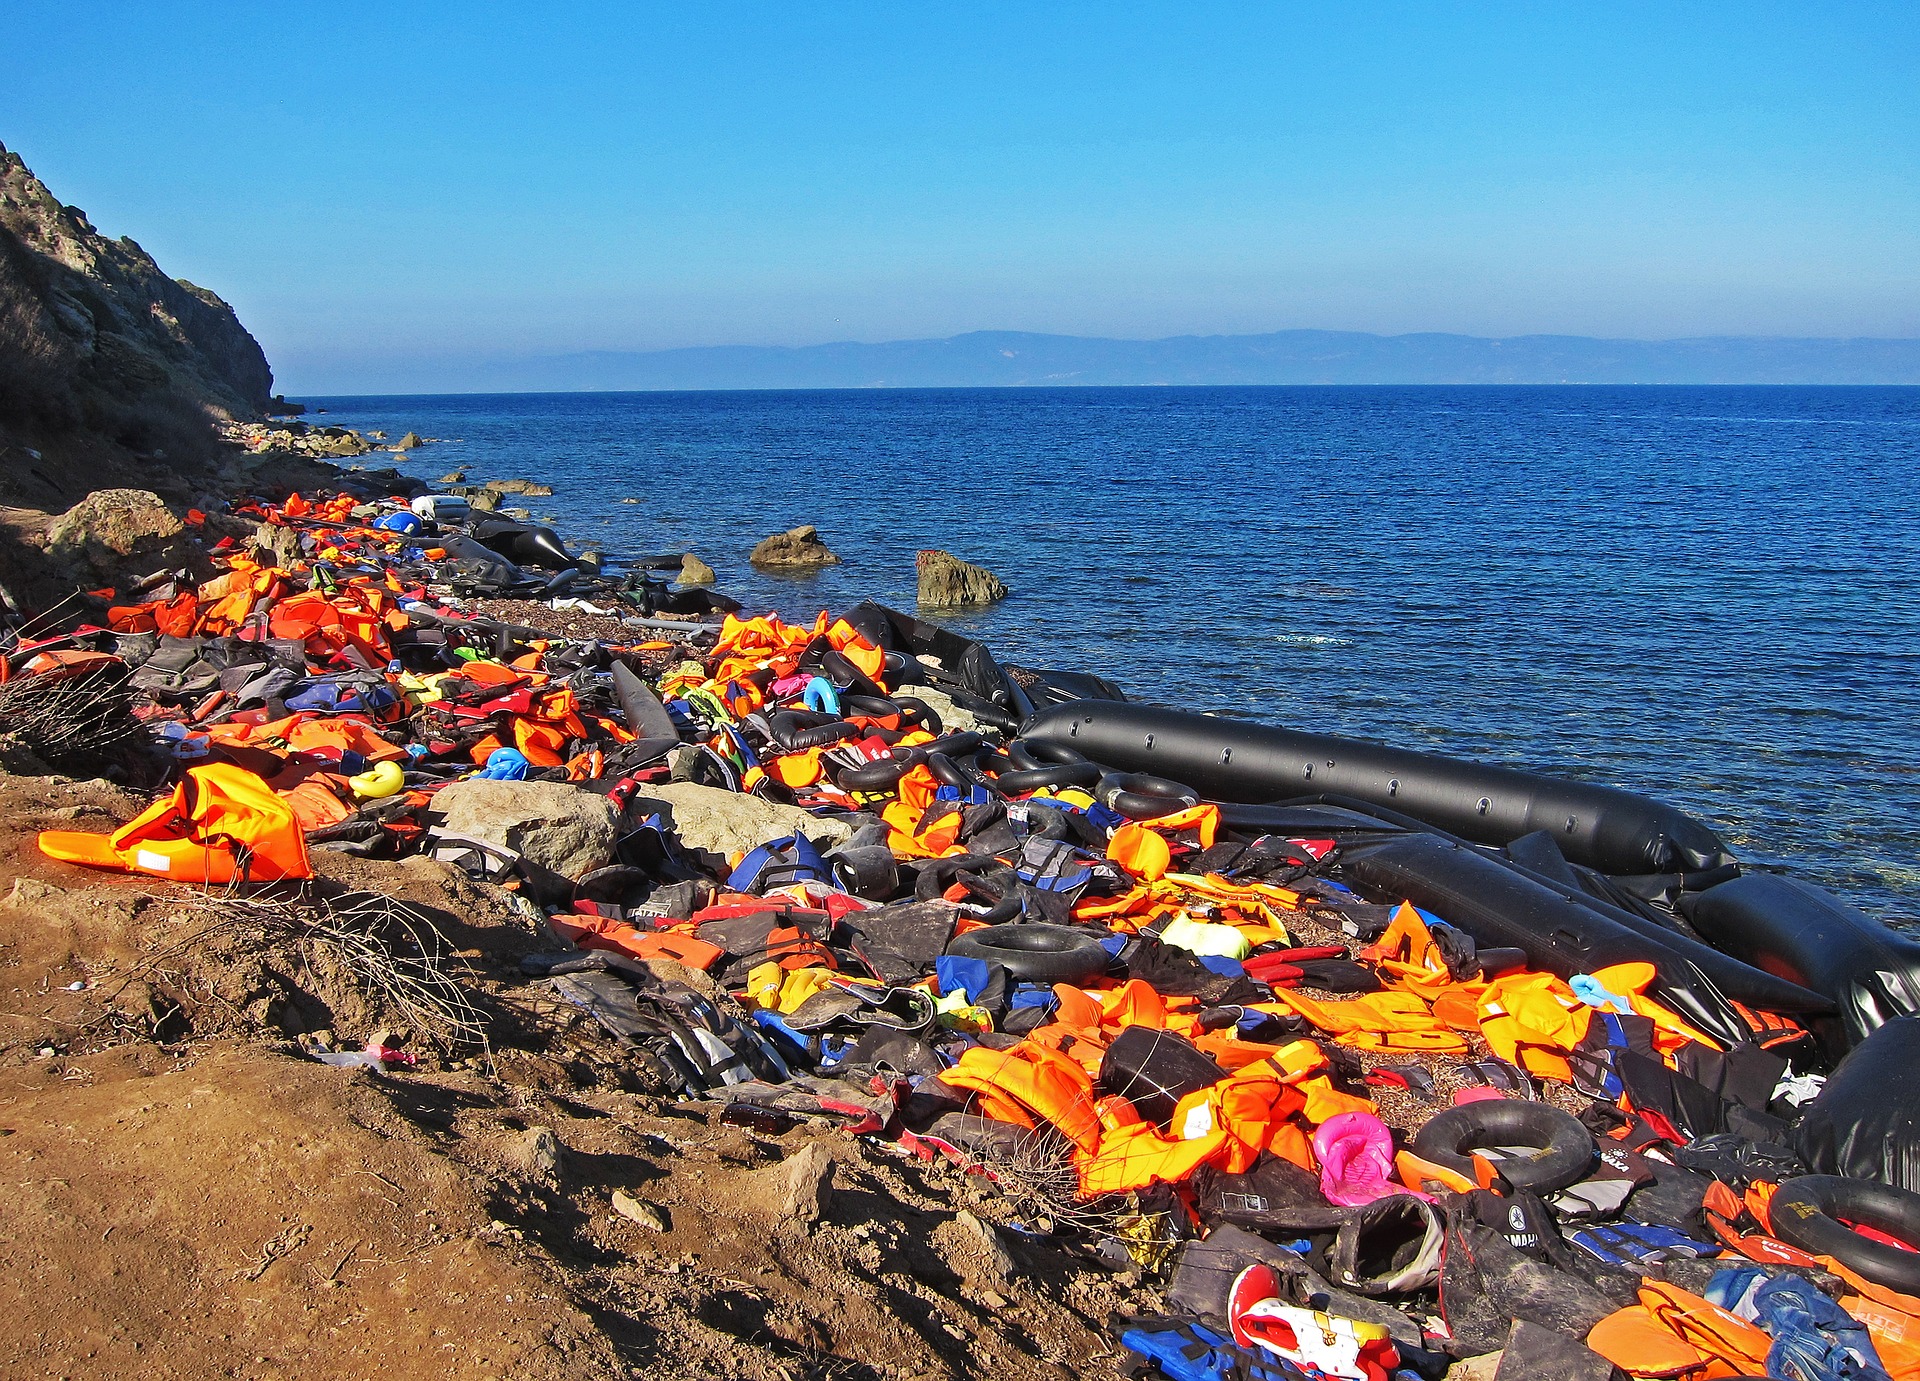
1565, 1148
881, 774
1226, 760
1058, 774
1139, 796
1812, 1213
1035, 953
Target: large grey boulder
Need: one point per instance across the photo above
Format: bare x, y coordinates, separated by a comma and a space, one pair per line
728, 822
112, 524
555, 825
947, 582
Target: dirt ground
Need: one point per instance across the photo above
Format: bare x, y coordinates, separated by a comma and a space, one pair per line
189, 1195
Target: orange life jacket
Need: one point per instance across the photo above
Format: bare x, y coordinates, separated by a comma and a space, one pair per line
221, 824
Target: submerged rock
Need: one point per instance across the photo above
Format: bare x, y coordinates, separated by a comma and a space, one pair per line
527, 487
694, 571
798, 547
946, 581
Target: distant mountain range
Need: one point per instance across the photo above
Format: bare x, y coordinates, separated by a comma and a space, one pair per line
1022, 359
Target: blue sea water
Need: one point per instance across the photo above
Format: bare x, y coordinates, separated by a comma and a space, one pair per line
1708, 595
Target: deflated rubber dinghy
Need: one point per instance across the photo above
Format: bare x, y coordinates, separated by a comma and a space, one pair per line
1228, 760
525, 543
1561, 932
1868, 972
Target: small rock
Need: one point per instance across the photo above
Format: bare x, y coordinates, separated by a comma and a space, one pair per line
483, 500
27, 891
527, 487
408, 442
798, 547
629, 501
453, 477
806, 1185
540, 1151
647, 1215
947, 582
694, 571
275, 546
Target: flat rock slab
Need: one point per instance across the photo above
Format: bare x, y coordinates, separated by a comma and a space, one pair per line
726, 822
553, 824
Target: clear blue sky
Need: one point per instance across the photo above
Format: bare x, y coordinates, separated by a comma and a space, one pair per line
386, 191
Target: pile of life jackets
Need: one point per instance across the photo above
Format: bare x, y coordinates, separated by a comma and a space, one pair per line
1354, 1145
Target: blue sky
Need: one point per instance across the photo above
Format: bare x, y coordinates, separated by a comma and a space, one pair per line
388, 191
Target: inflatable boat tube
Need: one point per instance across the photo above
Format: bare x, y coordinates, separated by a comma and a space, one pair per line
523, 542
1865, 1123
1810, 937
1812, 1213
1563, 1148
646, 716
964, 665
1731, 976
1613, 831
1500, 906
1031, 755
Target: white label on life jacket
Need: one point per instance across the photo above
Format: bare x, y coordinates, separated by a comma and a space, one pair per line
1197, 1123
152, 862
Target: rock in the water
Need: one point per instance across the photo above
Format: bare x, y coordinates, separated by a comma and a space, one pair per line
554, 825
483, 500
408, 442
797, 547
726, 822
527, 487
453, 477
694, 571
947, 582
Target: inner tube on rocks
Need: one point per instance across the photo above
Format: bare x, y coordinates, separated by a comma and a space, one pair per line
1085, 774
1501, 906
961, 745
1812, 1213
1035, 953
798, 730
878, 775
1788, 927
966, 670
1613, 831
1141, 797
1563, 1148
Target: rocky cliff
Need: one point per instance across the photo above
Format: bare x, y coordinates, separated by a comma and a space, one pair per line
110, 369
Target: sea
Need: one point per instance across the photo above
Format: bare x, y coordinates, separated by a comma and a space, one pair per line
1706, 595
